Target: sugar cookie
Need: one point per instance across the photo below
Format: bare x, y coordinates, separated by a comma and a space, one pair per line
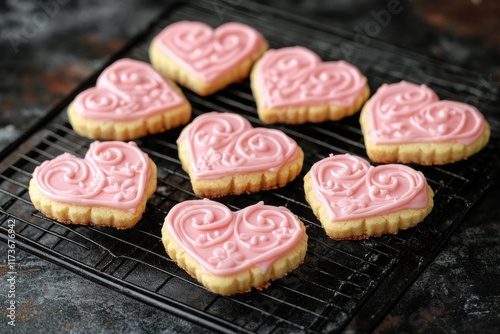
354, 200
223, 154
404, 122
231, 252
109, 187
130, 100
293, 85
203, 59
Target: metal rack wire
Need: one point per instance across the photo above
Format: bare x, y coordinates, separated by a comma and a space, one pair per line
347, 284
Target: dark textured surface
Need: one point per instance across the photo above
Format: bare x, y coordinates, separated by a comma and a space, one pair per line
457, 292
49, 47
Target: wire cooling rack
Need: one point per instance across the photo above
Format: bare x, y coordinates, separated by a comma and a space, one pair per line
342, 284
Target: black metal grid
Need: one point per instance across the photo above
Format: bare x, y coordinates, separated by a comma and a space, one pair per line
346, 284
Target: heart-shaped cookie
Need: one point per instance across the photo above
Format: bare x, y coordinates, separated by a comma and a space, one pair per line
355, 200
293, 85
407, 123
130, 100
223, 154
109, 187
205, 59
232, 252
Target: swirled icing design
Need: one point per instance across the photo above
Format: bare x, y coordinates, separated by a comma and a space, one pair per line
127, 90
112, 174
296, 76
350, 188
226, 242
223, 143
406, 113
209, 53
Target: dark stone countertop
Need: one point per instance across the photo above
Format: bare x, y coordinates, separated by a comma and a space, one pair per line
45, 56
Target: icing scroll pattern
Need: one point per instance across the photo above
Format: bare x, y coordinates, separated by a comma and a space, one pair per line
226, 242
112, 174
350, 188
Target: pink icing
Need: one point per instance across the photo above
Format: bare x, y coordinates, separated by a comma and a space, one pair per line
113, 174
226, 242
350, 188
296, 76
206, 52
127, 90
406, 113
220, 144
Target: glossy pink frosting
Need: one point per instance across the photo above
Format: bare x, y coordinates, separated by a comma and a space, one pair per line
296, 76
220, 144
113, 174
350, 188
127, 90
226, 242
209, 53
407, 113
